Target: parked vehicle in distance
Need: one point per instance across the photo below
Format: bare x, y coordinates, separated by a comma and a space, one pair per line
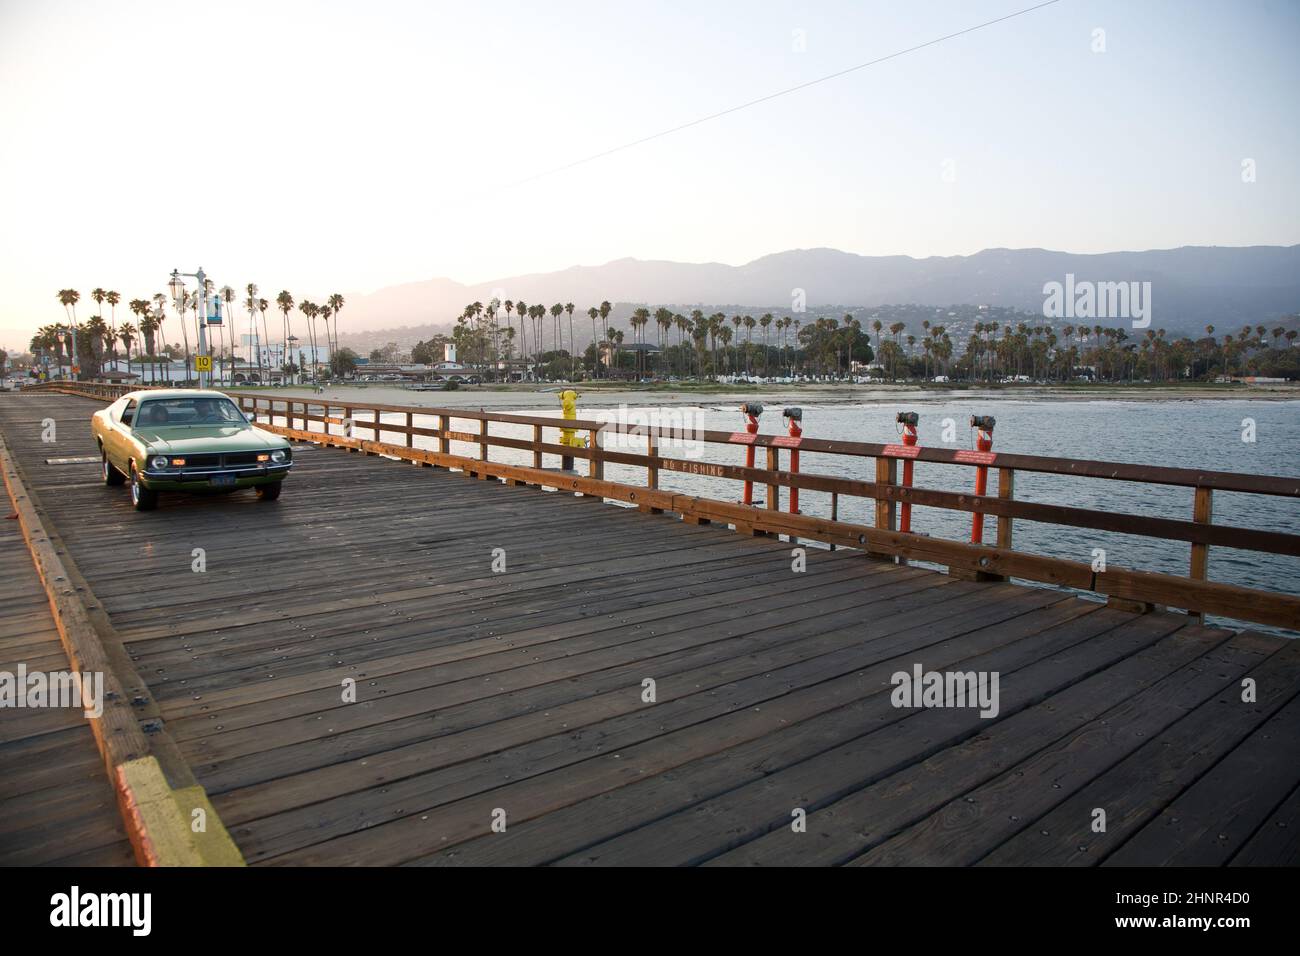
186, 440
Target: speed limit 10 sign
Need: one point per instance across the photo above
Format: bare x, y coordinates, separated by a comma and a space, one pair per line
203, 363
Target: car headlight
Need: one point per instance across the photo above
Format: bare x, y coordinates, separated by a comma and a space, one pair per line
279, 455
158, 463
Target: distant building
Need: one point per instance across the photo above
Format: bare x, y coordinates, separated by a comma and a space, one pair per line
146, 373
439, 372
272, 354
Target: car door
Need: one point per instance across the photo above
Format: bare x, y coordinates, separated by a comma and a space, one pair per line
102, 425
119, 436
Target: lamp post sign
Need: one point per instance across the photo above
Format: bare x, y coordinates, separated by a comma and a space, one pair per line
178, 293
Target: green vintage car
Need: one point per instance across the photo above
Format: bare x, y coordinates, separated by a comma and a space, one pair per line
186, 440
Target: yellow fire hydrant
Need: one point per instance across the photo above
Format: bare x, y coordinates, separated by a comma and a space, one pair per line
569, 436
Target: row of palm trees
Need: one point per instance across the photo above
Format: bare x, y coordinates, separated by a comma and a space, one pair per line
830, 347
824, 346
480, 336
1038, 352
89, 342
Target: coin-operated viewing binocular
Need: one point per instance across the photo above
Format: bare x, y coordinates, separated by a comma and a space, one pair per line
983, 422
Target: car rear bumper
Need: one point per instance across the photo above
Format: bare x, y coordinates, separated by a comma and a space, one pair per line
201, 481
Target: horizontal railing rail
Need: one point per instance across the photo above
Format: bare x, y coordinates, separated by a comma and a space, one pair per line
339, 423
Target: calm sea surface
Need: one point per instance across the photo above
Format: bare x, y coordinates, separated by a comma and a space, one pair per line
1187, 434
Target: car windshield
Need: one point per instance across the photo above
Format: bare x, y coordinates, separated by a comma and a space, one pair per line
172, 412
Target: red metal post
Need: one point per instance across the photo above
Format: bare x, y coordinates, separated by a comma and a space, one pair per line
751, 410
983, 443
909, 422
793, 418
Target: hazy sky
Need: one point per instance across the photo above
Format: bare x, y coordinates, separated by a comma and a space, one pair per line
344, 146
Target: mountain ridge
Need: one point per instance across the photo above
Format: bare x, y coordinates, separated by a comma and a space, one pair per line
1192, 286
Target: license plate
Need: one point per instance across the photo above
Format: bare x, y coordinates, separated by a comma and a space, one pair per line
223, 481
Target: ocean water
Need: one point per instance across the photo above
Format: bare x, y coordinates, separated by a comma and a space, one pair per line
1191, 434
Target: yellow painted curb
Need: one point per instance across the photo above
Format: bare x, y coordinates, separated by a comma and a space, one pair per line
162, 822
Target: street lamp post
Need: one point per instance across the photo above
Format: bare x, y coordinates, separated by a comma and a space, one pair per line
178, 291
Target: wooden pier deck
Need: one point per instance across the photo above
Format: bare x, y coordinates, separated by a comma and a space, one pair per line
56, 804
483, 695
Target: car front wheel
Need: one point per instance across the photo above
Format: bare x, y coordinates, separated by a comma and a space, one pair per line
112, 476
141, 497
269, 492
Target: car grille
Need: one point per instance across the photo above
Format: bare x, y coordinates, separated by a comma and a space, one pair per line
233, 460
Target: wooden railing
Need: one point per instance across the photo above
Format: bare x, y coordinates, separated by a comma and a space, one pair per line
102, 390
332, 423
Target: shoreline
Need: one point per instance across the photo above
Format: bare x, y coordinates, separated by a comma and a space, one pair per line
600, 395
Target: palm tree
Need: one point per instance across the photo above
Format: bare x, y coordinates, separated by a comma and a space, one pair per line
537, 313
640, 318
325, 311
308, 309
594, 313
605, 310
262, 306
148, 329
335, 303
522, 309
284, 301
96, 332
765, 321
556, 311
113, 298
509, 304
69, 299
573, 348
663, 322
126, 333
683, 324
749, 323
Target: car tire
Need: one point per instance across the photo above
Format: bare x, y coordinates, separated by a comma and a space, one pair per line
112, 477
269, 492
141, 497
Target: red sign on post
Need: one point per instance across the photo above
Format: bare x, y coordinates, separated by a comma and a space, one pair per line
968, 457
786, 441
741, 438
901, 451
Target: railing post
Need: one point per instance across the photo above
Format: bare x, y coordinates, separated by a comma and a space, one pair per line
596, 463
652, 462
482, 445
1202, 513
886, 508
835, 510
651, 469
1006, 492
773, 489
410, 434
537, 446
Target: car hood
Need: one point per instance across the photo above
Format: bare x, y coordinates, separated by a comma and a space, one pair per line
206, 439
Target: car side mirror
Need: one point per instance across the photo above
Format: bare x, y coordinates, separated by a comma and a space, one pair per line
250, 417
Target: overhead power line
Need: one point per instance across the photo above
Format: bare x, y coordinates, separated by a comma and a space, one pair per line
779, 93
